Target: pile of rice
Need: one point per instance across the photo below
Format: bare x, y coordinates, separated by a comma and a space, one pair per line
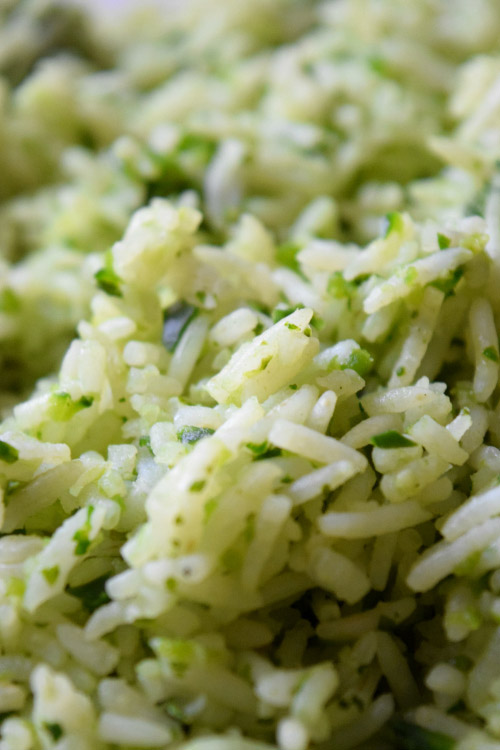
249, 365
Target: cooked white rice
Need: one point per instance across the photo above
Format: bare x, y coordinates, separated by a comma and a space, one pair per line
249, 360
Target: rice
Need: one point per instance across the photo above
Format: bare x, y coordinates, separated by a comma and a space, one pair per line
249, 360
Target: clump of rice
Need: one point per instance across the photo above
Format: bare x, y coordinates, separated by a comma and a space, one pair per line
258, 504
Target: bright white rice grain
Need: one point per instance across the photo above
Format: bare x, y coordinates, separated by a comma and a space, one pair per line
234, 327
322, 412
418, 338
98, 656
418, 273
327, 478
365, 524
365, 726
476, 510
312, 445
188, 350
292, 735
485, 342
338, 574
132, 731
441, 559
413, 478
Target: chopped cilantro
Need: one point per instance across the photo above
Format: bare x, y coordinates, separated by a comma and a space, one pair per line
395, 223
414, 737
8, 454
359, 360
292, 327
491, 353
448, 283
92, 595
391, 439
62, 407
209, 508
9, 301
171, 585
178, 654
410, 275
293, 386
198, 486
400, 372
263, 451
51, 574
286, 255
443, 241
81, 536
339, 288
55, 730
176, 319
189, 435
108, 281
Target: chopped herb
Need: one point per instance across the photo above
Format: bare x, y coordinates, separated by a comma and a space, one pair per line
391, 439
92, 595
395, 223
51, 574
176, 318
8, 454
491, 353
400, 372
443, 241
448, 284
201, 297
198, 486
62, 407
462, 662
413, 737
55, 730
145, 442
108, 281
286, 255
178, 653
283, 311
359, 360
293, 386
410, 275
171, 585
81, 536
339, 288
292, 327
209, 508
263, 451
189, 435
287, 479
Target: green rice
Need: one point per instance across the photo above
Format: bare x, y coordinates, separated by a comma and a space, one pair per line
249, 363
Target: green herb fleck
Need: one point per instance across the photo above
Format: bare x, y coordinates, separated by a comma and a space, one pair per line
292, 327
400, 372
443, 241
414, 737
410, 275
176, 319
51, 574
286, 255
263, 450
62, 407
189, 435
55, 730
209, 508
395, 223
8, 454
339, 288
447, 285
359, 360
293, 386
391, 439
198, 486
491, 353
171, 585
81, 536
108, 281
178, 653
92, 595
